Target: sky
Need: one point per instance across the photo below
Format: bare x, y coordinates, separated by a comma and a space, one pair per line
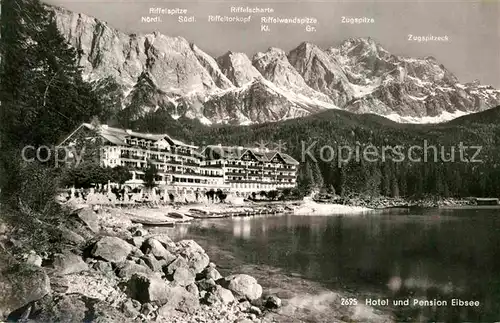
472, 28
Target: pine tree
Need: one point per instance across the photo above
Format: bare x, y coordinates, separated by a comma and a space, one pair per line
44, 94
385, 185
42, 91
305, 178
317, 176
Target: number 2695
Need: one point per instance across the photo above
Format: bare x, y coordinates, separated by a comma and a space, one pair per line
348, 301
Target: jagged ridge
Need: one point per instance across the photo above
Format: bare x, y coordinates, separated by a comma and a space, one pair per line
359, 76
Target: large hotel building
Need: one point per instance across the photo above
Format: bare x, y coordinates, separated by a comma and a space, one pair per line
185, 167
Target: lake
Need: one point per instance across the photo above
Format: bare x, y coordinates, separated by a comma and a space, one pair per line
430, 256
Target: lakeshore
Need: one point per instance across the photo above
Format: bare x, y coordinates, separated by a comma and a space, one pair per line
117, 269
168, 214
120, 258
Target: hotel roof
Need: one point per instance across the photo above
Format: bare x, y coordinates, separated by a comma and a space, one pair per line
235, 152
118, 136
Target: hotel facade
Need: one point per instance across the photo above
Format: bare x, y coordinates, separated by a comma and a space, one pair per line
185, 167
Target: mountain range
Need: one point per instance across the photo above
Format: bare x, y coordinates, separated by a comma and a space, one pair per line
159, 72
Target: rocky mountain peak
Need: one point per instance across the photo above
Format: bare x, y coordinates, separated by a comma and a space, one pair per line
272, 53
237, 67
306, 46
275, 67
363, 47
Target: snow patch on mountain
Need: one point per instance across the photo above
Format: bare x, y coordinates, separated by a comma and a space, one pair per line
443, 117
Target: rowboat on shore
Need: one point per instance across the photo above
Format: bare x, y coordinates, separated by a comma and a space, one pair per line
487, 201
207, 216
153, 222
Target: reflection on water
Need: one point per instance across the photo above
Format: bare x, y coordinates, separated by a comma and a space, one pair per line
438, 254
242, 227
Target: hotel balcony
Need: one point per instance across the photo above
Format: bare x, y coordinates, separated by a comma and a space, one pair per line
219, 166
191, 163
131, 156
212, 175
235, 174
243, 166
247, 181
172, 162
183, 153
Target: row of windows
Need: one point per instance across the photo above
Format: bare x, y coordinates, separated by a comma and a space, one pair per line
250, 164
252, 172
196, 181
156, 146
159, 157
259, 185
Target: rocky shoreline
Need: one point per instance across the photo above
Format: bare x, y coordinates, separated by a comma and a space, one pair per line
387, 203
115, 270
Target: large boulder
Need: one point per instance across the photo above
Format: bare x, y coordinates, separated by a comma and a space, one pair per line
111, 249
77, 308
179, 262
198, 261
155, 247
194, 254
184, 276
179, 299
68, 263
63, 308
190, 246
165, 241
71, 236
88, 216
211, 273
129, 268
148, 289
20, 284
219, 294
243, 286
152, 262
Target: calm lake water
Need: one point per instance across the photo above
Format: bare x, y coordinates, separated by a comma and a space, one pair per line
398, 254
